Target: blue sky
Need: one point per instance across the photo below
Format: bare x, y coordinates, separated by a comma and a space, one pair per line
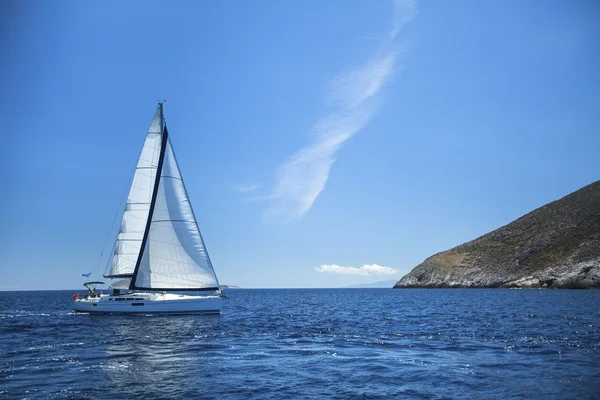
323, 144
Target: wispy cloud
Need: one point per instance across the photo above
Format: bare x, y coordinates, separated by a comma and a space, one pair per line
245, 188
404, 12
302, 177
364, 270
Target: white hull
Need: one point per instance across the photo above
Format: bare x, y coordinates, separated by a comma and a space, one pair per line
149, 303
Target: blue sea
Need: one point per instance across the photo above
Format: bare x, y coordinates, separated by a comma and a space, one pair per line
310, 344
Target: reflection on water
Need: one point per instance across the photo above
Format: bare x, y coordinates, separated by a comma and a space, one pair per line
148, 353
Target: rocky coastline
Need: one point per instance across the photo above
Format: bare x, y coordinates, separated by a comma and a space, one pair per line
554, 246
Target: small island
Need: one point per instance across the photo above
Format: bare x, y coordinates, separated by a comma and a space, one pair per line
554, 246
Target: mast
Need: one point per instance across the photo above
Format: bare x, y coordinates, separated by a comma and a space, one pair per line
164, 136
172, 254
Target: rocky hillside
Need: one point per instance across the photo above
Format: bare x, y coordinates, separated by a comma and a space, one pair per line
554, 246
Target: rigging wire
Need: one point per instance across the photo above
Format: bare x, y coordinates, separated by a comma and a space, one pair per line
113, 222
128, 186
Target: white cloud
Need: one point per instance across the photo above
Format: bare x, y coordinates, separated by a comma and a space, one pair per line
364, 270
404, 12
352, 89
302, 177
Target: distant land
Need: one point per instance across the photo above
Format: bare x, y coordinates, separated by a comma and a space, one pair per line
554, 246
380, 284
229, 287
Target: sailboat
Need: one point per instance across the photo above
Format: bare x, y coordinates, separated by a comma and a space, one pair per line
159, 255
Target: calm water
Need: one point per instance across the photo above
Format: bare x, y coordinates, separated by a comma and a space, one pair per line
310, 343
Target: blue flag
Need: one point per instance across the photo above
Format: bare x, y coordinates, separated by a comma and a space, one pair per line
87, 275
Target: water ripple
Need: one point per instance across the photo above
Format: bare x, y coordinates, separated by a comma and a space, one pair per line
277, 344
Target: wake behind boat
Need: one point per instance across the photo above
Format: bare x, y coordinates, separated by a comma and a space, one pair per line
159, 256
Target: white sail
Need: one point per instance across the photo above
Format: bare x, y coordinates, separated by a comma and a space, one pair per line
135, 216
120, 284
174, 256
159, 246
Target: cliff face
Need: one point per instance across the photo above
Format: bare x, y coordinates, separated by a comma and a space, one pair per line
554, 246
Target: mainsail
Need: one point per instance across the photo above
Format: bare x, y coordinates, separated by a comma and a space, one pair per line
135, 216
171, 254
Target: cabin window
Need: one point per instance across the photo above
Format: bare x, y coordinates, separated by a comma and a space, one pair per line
137, 304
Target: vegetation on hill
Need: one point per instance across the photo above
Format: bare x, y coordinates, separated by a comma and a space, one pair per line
554, 246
